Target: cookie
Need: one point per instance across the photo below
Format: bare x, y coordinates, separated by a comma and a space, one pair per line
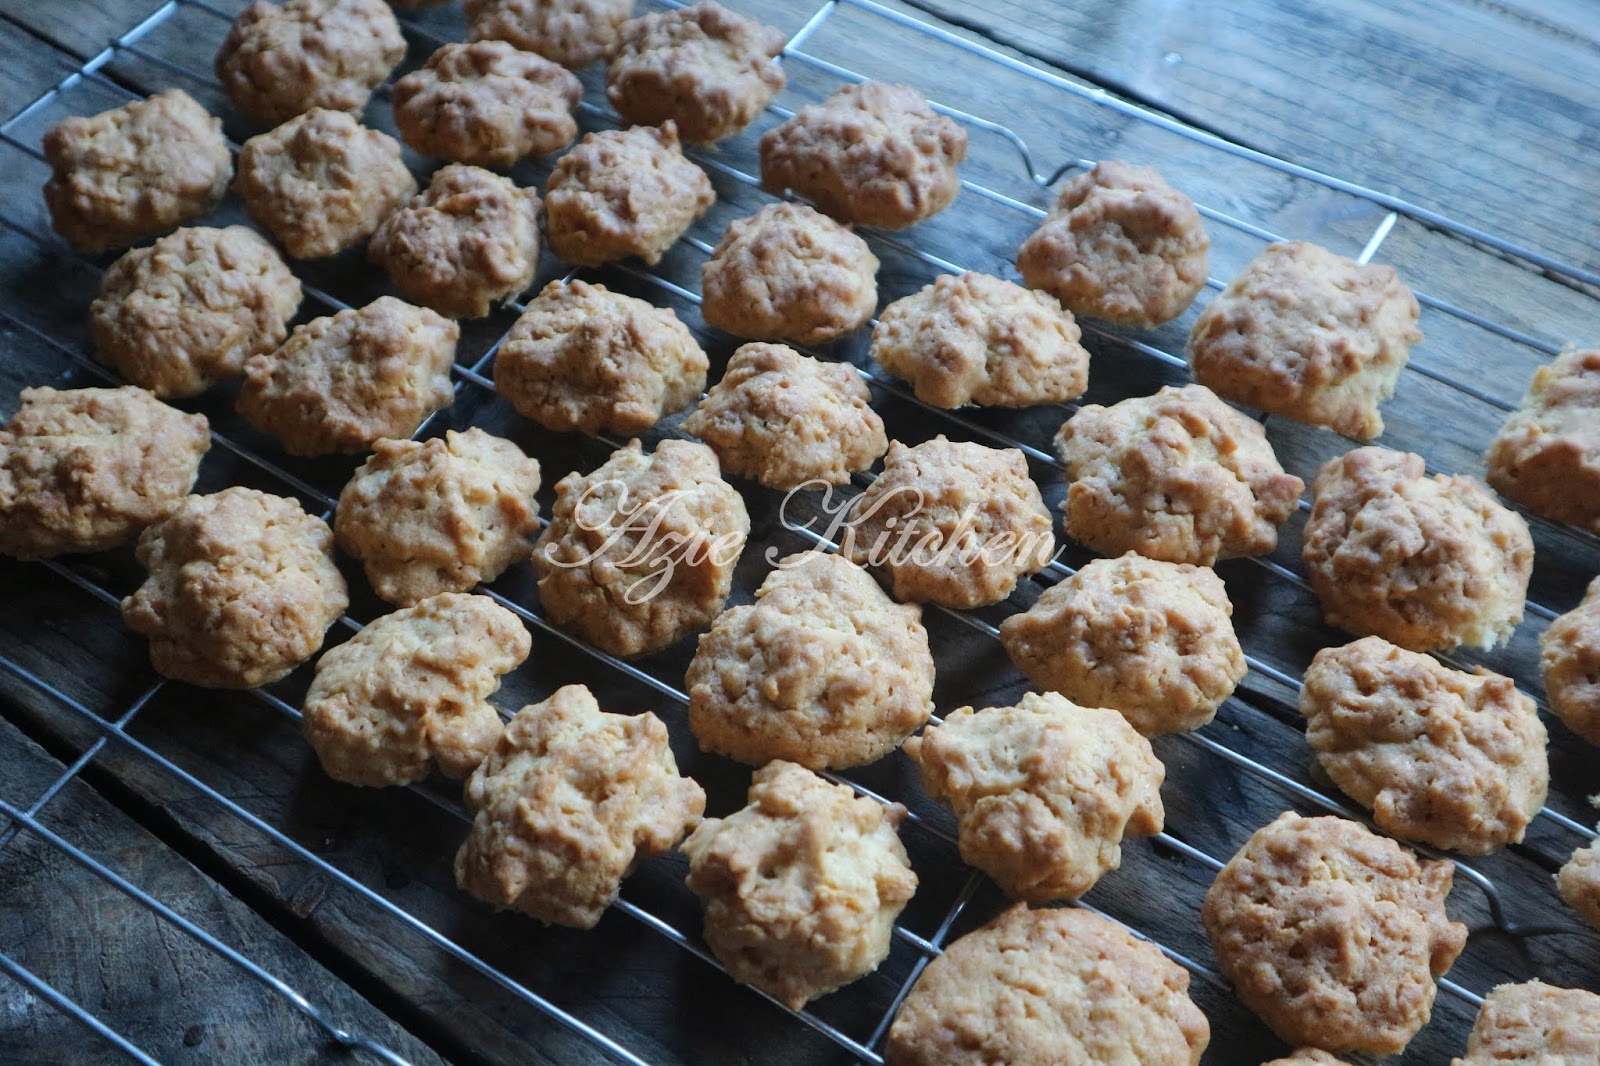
640, 552
1308, 334
1537, 1024
789, 273
1308, 1056
338, 384
138, 169
241, 589
1570, 657
573, 33
702, 67
1045, 987
822, 670
872, 153
1179, 476
1333, 935
583, 357
1579, 883
440, 515
322, 182
83, 470
622, 193
1153, 640
1424, 562
802, 886
567, 803
789, 420
1547, 455
1439, 756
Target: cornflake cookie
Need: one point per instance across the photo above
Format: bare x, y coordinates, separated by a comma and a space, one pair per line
138, 169
1309, 334
802, 886
640, 552
822, 670
279, 61
573, 33
1424, 562
439, 515
1043, 987
1179, 476
950, 522
583, 357
84, 470
1537, 1024
1570, 655
787, 419
1334, 935
1308, 1056
1547, 455
1150, 639
1579, 883
973, 338
412, 690
338, 384
1439, 756
1121, 245
321, 182
242, 588
567, 805
487, 103
872, 153
703, 67
621, 193
1044, 791
470, 240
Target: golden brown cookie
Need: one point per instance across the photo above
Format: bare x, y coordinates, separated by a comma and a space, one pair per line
567, 803
1424, 562
1535, 1024
83, 470
1579, 883
138, 169
1570, 656
338, 384
573, 33
1048, 987
789, 420
823, 670
1547, 455
1308, 1056
241, 589
802, 886
1334, 935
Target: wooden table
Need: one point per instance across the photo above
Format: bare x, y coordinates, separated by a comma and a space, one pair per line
1484, 112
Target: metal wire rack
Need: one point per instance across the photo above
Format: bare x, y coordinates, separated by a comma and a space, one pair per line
864, 1043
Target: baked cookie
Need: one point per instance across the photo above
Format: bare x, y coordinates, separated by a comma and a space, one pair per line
487, 103
972, 338
1150, 639
138, 169
789, 273
1570, 655
1334, 935
621, 193
1308, 1056
1579, 883
470, 240
279, 61
1046, 987
823, 670
640, 552
321, 182
1309, 334
339, 384
1424, 562
439, 515
568, 802
83, 470
802, 886
241, 589
583, 357
950, 522
872, 153
1439, 756
1120, 245
703, 67
1044, 792
789, 420
1547, 455
1179, 476
1536, 1024
573, 33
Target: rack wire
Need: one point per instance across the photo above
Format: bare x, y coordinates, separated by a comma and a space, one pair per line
864, 1047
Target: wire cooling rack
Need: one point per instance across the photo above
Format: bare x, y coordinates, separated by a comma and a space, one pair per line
1007, 180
